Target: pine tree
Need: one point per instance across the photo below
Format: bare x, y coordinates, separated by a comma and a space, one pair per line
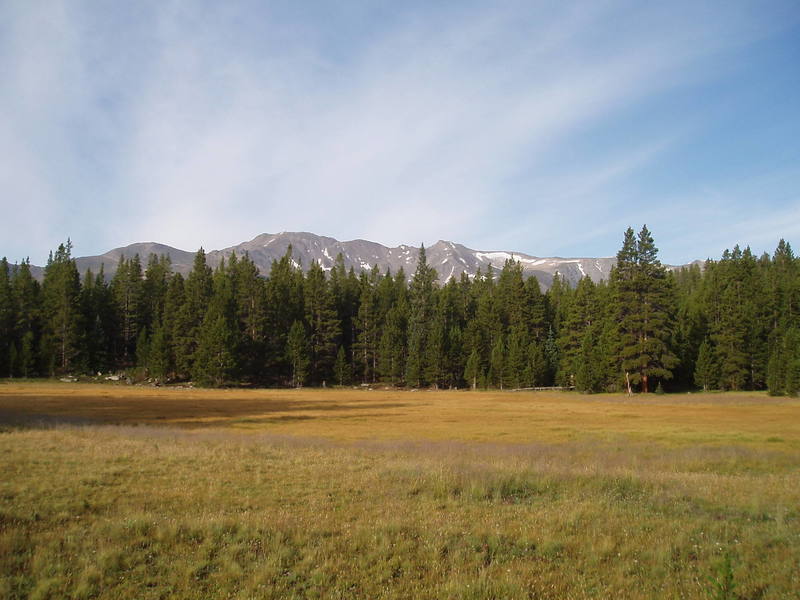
7, 337
143, 351
580, 309
297, 353
341, 368
61, 295
215, 359
645, 303
454, 357
197, 293
472, 371
367, 325
537, 367
251, 315
285, 304
516, 366
28, 319
511, 296
128, 293
551, 356
346, 291
154, 290
536, 303
705, 367
782, 377
323, 325
421, 308
691, 327
159, 362
588, 372
434, 368
99, 324
731, 307
26, 360
391, 351
174, 321
497, 364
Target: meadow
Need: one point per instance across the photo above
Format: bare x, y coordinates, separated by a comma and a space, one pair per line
114, 491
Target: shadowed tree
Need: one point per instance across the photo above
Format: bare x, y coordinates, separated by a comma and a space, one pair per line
297, 353
61, 295
421, 313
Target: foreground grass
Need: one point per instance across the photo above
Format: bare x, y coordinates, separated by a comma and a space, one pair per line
101, 511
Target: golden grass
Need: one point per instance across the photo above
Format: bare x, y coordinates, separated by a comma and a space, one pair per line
349, 415
388, 494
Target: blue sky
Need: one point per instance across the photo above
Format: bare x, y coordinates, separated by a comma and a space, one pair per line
537, 127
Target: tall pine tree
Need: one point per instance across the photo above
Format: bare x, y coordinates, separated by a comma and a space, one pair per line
645, 304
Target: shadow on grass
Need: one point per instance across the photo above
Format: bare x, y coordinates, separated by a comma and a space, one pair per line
188, 413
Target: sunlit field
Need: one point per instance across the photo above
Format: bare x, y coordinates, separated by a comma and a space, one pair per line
134, 492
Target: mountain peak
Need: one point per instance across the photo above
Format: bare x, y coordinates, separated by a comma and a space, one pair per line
448, 258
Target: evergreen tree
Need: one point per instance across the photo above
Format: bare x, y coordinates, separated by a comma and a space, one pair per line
497, 364
251, 315
433, 362
472, 371
367, 324
782, 378
143, 351
391, 352
128, 293
580, 310
732, 305
285, 304
537, 373
173, 323
215, 360
159, 363
551, 356
588, 371
517, 373
197, 292
28, 319
645, 304
61, 295
454, 359
154, 290
421, 308
705, 367
323, 325
691, 327
7, 337
341, 368
99, 324
345, 292
297, 353
537, 309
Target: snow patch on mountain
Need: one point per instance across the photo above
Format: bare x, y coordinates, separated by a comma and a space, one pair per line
449, 259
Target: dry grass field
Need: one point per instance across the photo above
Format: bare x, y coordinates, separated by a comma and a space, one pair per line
128, 492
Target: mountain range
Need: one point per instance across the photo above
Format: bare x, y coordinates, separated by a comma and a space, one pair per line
448, 258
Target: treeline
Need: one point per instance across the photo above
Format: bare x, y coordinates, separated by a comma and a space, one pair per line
732, 325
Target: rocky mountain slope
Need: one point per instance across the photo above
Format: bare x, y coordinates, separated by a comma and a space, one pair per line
448, 258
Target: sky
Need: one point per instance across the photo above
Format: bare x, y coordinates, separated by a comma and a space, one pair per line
545, 128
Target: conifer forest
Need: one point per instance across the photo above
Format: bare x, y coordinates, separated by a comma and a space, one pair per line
729, 324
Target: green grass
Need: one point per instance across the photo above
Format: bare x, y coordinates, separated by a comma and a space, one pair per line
147, 512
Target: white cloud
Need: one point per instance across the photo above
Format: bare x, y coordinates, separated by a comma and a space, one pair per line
191, 127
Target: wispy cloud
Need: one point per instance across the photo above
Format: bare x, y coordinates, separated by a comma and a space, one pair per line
208, 125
